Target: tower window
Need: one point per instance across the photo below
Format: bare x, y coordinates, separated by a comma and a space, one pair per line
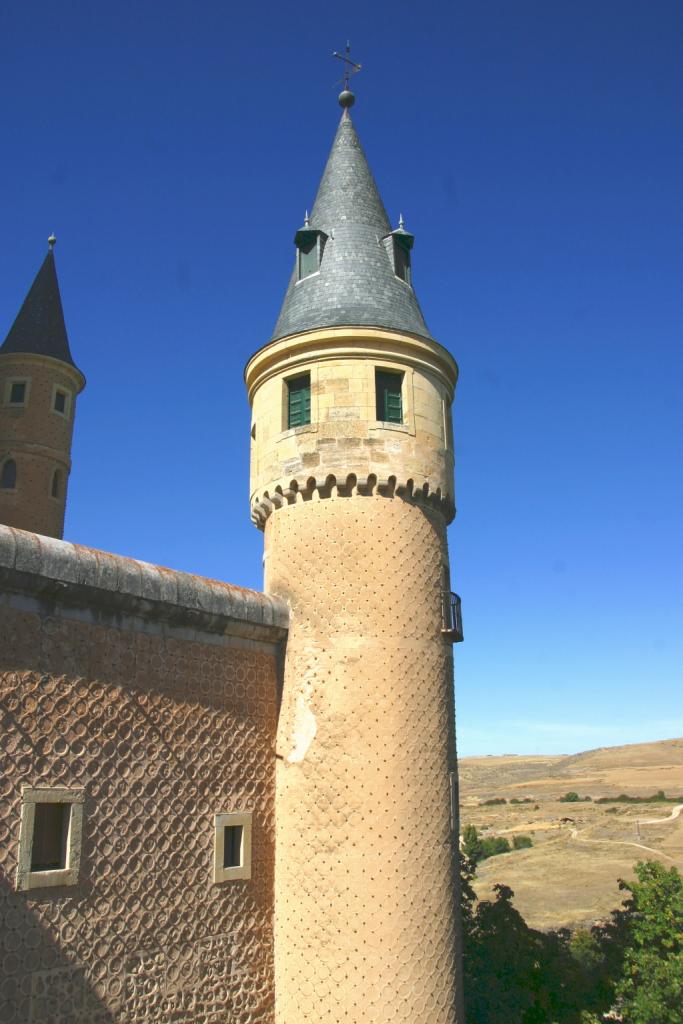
388, 391
50, 837
56, 488
17, 392
401, 258
308, 258
299, 401
61, 401
310, 243
8, 477
232, 849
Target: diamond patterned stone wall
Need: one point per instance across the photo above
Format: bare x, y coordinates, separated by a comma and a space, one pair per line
365, 901
161, 732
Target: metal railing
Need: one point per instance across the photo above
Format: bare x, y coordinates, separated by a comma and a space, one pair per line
452, 618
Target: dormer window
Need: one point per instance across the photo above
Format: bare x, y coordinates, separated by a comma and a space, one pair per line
310, 242
398, 245
309, 258
401, 259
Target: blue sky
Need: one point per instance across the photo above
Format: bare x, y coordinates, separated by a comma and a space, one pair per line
535, 150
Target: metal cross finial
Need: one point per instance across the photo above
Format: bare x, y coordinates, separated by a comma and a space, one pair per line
350, 66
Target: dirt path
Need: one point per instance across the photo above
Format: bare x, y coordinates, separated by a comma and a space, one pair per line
574, 834
660, 821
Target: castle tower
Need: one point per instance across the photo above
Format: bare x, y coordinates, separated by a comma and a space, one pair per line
352, 484
39, 382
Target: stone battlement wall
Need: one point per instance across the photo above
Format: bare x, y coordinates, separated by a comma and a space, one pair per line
351, 486
152, 695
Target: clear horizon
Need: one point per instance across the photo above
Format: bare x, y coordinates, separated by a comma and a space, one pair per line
535, 152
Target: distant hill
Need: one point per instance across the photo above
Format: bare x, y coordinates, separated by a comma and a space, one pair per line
639, 768
570, 875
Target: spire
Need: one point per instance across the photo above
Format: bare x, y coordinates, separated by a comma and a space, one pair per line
39, 328
356, 283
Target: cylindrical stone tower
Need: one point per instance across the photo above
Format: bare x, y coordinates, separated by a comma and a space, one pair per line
352, 482
39, 383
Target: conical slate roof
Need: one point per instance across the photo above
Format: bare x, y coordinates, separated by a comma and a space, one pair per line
356, 285
39, 327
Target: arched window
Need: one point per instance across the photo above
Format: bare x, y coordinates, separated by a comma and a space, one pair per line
8, 477
56, 489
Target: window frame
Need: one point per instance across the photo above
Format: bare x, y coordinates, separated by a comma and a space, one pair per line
402, 258
381, 371
26, 381
68, 875
300, 276
67, 404
13, 489
55, 471
288, 382
230, 819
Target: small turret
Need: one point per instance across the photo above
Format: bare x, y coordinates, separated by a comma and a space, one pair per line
39, 383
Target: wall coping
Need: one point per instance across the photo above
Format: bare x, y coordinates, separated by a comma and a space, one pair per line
84, 577
349, 343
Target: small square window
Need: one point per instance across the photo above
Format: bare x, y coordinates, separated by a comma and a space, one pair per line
17, 392
50, 837
232, 846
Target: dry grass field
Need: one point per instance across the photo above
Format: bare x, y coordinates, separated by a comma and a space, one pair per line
569, 876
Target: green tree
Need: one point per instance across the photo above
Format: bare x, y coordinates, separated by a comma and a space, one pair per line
570, 798
471, 845
650, 990
514, 974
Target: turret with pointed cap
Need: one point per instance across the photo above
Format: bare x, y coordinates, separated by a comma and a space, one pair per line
352, 483
39, 382
39, 328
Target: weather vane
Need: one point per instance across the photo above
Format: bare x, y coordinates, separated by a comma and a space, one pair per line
350, 66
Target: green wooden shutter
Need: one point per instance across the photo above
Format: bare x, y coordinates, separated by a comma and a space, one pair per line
389, 400
308, 258
299, 401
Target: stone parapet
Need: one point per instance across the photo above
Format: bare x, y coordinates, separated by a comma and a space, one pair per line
418, 492
100, 583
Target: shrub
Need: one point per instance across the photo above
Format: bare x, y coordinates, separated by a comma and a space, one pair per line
475, 847
657, 798
493, 800
570, 798
522, 842
493, 845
